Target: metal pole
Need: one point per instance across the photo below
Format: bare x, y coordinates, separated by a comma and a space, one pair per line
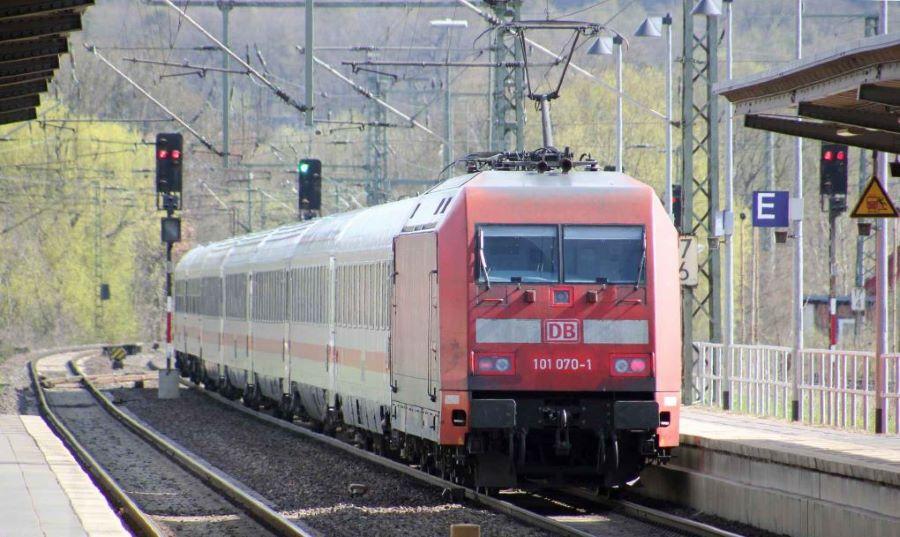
667, 22
620, 156
770, 183
448, 112
170, 210
881, 303
546, 126
881, 277
309, 64
832, 274
728, 217
250, 202
712, 178
225, 8
798, 247
687, 193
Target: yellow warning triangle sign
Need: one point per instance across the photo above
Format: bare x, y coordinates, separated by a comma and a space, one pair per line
874, 202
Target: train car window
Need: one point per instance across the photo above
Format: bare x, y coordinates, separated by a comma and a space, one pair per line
519, 253
614, 254
236, 299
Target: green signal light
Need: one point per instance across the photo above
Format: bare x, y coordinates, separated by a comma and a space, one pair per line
304, 167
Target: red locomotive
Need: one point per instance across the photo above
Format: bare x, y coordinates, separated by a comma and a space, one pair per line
520, 322
504, 325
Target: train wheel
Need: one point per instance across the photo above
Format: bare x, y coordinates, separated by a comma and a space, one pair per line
250, 397
284, 410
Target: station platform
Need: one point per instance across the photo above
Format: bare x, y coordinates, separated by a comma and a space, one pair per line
859, 455
784, 477
44, 491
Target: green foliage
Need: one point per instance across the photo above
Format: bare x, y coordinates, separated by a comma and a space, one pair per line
77, 212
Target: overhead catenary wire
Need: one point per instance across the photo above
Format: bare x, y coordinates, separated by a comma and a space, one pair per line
96, 52
494, 21
381, 102
278, 91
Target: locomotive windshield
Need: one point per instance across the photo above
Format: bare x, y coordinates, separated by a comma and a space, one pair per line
519, 254
614, 254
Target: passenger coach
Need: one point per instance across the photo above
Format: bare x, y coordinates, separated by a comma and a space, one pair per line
504, 326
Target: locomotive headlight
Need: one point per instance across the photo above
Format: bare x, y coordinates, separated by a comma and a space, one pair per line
485, 364
630, 366
494, 365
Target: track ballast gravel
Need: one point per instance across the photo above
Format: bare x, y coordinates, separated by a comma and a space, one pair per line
307, 480
179, 502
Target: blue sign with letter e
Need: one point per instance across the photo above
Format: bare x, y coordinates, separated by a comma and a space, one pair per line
770, 208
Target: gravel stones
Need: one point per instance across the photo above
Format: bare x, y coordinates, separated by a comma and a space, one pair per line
307, 480
165, 491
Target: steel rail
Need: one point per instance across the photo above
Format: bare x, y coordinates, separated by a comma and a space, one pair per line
624, 507
137, 520
650, 515
257, 510
457, 492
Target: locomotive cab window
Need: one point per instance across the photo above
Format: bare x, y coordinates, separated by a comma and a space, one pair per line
604, 254
512, 254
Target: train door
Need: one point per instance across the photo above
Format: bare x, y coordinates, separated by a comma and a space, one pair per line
248, 331
433, 336
286, 332
331, 358
414, 351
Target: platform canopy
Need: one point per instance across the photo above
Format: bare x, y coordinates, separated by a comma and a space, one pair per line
848, 96
33, 35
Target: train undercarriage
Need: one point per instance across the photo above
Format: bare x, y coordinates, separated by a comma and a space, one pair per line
515, 440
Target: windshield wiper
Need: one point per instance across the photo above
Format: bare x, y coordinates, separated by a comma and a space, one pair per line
640, 273
484, 267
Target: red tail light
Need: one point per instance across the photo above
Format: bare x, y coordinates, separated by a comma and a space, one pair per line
494, 365
630, 366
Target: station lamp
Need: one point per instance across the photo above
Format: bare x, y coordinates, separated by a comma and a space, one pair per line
707, 8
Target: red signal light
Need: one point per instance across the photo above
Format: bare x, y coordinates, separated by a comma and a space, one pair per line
176, 154
162, 154
841, 155
828, 155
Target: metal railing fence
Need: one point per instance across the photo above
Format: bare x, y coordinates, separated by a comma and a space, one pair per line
835, 388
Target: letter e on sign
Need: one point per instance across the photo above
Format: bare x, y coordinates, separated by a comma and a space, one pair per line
771, 208
561, 331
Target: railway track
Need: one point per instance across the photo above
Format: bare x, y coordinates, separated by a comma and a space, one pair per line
568, 511
170, 492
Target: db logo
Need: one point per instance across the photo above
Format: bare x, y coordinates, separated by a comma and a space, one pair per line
559, 331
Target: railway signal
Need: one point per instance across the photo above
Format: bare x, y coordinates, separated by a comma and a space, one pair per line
309, 176
169, 160
171, 229
169, 153
833, 170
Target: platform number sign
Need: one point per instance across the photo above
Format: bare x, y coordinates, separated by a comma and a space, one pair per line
858, 299
771, 208
690, 266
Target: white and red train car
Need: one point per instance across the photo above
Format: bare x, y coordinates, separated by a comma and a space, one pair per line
505, 325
